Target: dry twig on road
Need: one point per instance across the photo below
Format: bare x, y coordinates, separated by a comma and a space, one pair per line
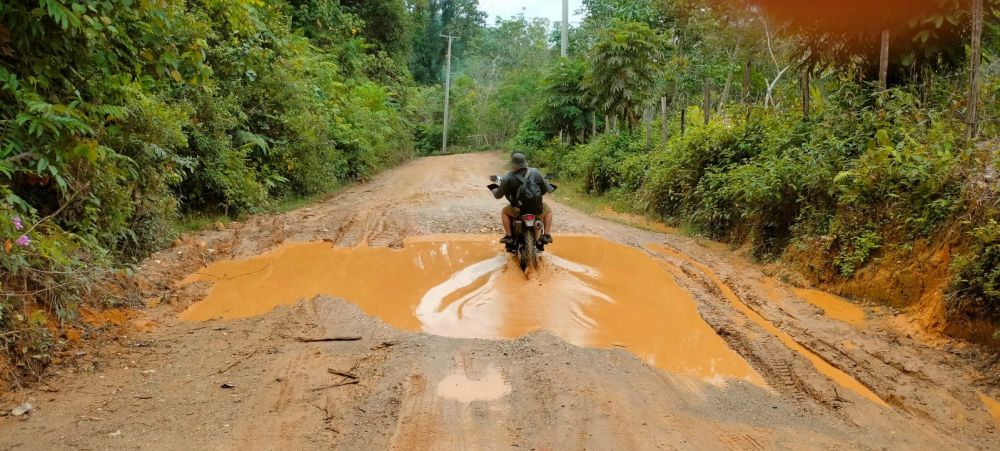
317, 340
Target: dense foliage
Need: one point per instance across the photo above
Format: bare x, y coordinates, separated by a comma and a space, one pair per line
864, 174
116, 115
496, 78
623, 69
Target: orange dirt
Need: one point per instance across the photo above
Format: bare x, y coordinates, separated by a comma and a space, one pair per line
911, 280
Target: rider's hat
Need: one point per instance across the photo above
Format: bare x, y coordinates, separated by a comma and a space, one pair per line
518, 160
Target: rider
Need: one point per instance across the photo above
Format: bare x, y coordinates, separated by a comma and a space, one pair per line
509, 188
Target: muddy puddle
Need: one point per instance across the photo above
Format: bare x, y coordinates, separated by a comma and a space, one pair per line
992, 406
461, 387
589, 291
635, 220
833, 306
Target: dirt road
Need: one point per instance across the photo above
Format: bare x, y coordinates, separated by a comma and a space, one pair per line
626, 339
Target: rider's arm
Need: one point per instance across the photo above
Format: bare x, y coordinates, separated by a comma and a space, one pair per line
505, 187
544, 182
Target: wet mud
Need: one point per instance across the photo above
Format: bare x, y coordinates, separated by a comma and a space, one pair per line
840, 377
589, 291
992, 406
162, 388
833, 306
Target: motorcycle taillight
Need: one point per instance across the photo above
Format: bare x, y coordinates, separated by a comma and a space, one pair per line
528, 217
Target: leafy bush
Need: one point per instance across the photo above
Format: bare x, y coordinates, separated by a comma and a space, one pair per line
427, 138
858, 173
116, 115
977, 287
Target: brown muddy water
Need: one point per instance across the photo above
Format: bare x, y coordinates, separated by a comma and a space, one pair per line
491, 385
833, 306
589, 291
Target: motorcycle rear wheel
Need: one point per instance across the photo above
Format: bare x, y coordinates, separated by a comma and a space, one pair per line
529, 255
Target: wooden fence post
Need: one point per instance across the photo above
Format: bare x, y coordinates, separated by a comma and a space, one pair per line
883, 66
665, 126
746, 83
647, 118
805, 95
707, 100
725, 93
683, 119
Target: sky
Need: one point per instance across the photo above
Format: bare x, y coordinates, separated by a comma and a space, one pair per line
551, 9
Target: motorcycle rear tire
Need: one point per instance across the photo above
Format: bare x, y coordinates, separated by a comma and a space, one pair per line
529, 257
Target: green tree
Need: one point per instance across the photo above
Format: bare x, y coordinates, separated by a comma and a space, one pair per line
506, 62
433, 18
624, 66
115, 115
600, 13
386, 24
563, 106
924, 34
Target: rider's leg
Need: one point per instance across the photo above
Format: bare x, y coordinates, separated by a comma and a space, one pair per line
505, 217
547, 220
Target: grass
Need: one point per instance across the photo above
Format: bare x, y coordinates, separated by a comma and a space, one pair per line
194, 222
571, 193
198, 221
287, 204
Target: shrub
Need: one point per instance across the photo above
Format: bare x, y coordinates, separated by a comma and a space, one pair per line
116, 116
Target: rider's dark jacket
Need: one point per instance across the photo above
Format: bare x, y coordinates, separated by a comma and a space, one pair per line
510, 184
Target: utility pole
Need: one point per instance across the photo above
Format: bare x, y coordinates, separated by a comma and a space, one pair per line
565, 29
447, 91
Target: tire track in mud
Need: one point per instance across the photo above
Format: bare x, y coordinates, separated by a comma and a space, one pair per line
774, 360
907, 389
824, 366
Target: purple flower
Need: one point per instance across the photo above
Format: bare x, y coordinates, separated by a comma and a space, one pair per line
23, 241
18, 225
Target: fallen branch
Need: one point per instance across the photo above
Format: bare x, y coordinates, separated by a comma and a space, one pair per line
341, 373
22, 156
237, 362
232, 277
317, 340
58, 210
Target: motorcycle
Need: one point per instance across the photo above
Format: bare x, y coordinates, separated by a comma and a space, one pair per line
528, 232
